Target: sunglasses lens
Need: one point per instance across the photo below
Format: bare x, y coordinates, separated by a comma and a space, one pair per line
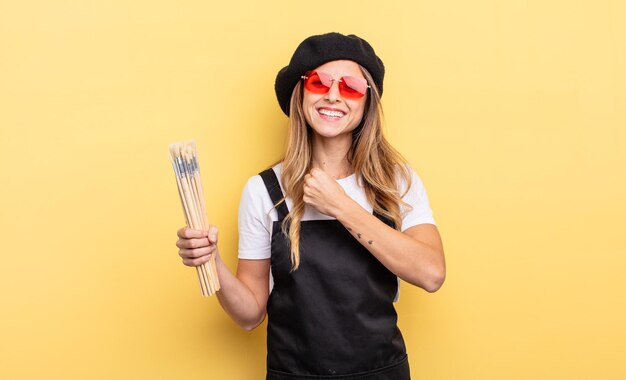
352, 87
315, 83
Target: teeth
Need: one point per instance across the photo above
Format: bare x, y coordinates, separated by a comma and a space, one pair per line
331, 113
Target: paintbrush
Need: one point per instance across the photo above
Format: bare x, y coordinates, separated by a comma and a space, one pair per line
184, 160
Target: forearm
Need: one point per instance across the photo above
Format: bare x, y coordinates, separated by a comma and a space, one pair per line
410, 259
237, 299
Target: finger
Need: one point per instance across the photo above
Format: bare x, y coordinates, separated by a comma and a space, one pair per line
195, 253
192, 243
310, 181
308, 190
188, 233
196, 262
212, 233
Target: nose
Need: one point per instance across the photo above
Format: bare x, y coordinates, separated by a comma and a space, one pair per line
333, 94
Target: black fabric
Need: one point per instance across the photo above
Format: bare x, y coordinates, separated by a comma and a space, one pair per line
276, 195
397, 371
317, 50
333, 317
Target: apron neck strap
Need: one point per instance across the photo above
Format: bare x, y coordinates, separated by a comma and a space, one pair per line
273, 188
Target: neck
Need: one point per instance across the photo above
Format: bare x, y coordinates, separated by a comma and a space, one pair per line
331, 155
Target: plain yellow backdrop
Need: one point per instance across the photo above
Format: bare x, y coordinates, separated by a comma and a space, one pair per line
512, 112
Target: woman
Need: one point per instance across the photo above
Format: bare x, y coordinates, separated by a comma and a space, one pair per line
326, 233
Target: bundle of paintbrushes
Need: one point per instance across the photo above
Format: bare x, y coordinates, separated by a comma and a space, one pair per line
185, 163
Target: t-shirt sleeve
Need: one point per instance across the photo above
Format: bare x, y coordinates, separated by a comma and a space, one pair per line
419, 211
254, 221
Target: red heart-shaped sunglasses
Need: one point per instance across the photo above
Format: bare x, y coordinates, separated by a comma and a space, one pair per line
349, 87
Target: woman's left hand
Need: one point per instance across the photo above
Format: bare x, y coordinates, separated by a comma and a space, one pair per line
322, 192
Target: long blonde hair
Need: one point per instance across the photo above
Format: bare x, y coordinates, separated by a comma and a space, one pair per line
377, 164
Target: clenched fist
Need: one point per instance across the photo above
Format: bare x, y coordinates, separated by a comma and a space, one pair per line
322, 192
196, 246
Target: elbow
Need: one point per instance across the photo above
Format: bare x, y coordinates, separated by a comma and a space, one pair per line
436, 281
249, 326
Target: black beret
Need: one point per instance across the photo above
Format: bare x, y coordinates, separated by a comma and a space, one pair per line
317, 50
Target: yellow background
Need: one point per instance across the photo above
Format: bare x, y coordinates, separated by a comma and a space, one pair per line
512, 112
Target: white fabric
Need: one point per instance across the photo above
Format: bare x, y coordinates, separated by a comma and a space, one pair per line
257, 213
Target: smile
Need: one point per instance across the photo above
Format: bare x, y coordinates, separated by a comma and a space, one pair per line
329, 113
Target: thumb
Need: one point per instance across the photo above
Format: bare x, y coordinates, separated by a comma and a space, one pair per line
213, 233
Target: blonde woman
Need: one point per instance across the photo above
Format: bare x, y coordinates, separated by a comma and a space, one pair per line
326, 234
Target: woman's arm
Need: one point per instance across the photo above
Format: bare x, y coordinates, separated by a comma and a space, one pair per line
244, 296
415, 255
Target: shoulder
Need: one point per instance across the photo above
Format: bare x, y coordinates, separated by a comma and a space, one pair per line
416, 208
256, 216
256, 209
255, 198
255, 186
407, 179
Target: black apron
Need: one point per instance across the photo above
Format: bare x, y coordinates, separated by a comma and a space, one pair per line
333, 317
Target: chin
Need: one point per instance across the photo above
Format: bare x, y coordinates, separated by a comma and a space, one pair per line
325, 130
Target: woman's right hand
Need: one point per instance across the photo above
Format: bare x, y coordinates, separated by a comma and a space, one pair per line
244, 296
196, 246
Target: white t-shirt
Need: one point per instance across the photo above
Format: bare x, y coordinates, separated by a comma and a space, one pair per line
257, 214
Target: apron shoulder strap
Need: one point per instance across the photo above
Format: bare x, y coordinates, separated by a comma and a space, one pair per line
273, 188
